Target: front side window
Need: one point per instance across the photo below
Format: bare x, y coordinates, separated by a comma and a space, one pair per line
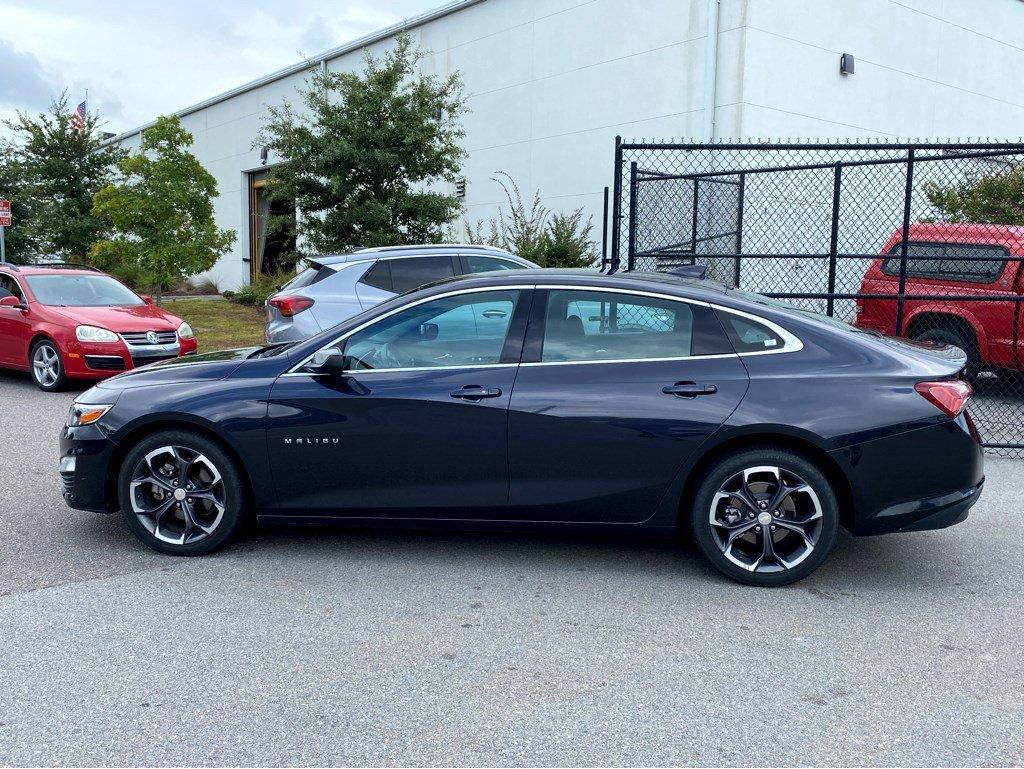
9, 287
583, 325
81, 291
411, 273
461, 330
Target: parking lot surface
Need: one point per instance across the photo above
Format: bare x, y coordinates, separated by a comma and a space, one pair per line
312, 647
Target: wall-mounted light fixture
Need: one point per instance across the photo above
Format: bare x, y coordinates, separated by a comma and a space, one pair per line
846, 64
264, 153
460, 187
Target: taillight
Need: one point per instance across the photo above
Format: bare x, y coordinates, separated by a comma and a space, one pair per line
290, 305
950, 395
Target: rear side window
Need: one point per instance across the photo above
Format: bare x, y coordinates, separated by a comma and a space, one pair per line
966, 262
308, 277
488, 264
411, 273
379, 276
749, 336
608, 326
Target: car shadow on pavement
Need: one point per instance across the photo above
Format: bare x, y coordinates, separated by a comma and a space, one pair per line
872, 563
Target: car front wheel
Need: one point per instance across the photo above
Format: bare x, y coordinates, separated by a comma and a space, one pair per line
181, 493
765, 517
47, 369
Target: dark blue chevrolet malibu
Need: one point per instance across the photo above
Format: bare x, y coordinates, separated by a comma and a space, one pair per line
533, 399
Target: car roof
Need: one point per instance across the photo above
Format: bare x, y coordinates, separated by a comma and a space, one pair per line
49, 269
427, 249
706, 290
944, 232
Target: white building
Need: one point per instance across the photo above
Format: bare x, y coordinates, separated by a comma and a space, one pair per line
550, 83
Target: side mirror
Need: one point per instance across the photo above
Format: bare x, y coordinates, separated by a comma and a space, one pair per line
428, 332
12, 302
146, 298
328, 361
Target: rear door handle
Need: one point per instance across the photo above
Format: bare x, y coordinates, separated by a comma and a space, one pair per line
476, 393
689, 389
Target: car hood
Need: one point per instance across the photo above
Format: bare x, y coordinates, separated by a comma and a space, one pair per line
190, 368
143, 317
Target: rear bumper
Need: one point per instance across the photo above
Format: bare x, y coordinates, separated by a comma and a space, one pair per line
914, 480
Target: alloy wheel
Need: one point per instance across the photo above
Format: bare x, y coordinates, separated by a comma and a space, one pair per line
46, 365
177, 494
766, 519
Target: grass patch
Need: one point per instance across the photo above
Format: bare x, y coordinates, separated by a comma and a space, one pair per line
220, 325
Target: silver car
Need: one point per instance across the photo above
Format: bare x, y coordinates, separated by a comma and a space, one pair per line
335, 287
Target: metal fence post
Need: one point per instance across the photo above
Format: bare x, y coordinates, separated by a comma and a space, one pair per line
631, 254
604, 232
739, 231
833, 248
616, 205
908, 196
696, 213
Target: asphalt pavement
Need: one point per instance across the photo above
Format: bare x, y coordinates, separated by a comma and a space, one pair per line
327, 647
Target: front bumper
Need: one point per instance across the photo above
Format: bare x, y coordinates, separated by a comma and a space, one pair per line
85, 454
98, 360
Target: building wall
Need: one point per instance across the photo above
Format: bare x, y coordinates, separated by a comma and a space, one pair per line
550, 83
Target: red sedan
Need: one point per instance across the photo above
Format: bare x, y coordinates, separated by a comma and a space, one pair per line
65, 322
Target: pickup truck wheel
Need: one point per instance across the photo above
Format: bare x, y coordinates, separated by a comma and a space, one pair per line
957, 338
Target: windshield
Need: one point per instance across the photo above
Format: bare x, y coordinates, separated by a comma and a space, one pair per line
81, 291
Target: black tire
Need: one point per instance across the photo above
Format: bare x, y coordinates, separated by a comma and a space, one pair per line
819, 531
206, 528
957, 338
52, 378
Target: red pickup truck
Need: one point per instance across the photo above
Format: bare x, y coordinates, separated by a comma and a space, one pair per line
957, 261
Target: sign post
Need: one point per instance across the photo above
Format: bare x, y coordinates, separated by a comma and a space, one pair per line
5, 221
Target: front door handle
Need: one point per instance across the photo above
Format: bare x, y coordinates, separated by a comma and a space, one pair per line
476, 393
689, 389
494, 313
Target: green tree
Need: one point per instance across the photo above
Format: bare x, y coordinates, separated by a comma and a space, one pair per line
59, 169
550, 240
20, 247
993, 198
357, 161
160, 214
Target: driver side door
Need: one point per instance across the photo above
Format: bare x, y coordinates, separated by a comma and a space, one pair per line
416, 425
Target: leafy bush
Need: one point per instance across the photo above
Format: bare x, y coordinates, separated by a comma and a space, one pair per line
994, 198
257, 292
550, 240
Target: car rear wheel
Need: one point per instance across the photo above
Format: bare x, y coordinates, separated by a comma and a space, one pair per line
956, 338
46, 367
181, 494
765, 516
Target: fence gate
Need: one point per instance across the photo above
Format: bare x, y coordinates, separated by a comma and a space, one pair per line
915, 240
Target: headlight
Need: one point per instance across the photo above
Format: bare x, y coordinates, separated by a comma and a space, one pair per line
94, 334
185, 331
85, 414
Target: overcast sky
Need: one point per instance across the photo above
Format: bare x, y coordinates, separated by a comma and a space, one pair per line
142, 58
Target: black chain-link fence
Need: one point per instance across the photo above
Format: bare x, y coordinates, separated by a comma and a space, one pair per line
914, 240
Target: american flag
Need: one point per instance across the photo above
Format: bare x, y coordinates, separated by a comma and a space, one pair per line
78, 119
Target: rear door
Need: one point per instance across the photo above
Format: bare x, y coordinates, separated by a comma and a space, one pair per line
615, 391
396, 275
